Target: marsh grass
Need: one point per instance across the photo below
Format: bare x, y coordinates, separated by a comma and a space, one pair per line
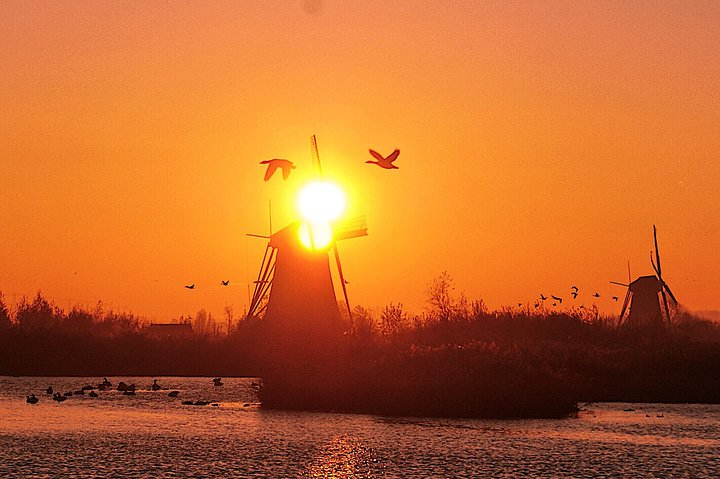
459, 360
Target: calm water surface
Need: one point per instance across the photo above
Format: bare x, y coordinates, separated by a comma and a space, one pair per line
151, 435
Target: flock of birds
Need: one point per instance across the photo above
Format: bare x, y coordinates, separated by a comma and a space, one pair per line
574, 292
385, 162
126, 389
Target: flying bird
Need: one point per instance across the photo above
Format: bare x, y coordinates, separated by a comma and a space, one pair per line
596, 295
190, 286
383, 162
225, 283
543, 298
274, 164
574, 294
574, 287
615, 298
556, 298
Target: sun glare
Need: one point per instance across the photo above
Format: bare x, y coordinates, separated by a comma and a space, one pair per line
321, 201
315, 236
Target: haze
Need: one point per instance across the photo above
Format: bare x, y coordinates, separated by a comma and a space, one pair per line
539, 144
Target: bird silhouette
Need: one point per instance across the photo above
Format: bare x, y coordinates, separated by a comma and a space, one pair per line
556, 298
574, 287
519, 305
274, 164
225, 283
596, 295
383, 162
615, 298
190, 286
574, 294
543, 298
554, 304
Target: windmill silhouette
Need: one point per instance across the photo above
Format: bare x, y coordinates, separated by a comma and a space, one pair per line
294, 287
643, 296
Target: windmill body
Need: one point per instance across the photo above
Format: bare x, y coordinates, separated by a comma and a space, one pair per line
644, 295
645, 309
302, 297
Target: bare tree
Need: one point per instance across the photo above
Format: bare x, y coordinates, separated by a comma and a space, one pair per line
439, 296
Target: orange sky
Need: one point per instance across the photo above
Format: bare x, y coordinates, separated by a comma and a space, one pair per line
539, 144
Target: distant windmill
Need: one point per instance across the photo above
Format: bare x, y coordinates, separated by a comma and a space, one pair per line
643, 296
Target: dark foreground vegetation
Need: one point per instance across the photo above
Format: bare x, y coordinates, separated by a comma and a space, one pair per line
457, 359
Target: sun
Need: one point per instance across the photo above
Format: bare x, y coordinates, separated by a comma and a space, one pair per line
321, 201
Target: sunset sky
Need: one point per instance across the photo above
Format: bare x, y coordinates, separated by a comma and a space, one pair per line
540, 141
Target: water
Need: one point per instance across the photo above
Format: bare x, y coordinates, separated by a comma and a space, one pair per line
151, 435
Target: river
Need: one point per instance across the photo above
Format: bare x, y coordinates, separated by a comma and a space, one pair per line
151, 435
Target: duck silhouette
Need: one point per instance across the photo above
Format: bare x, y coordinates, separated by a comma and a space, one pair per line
155, 386
31, 399
190, 286
225, 283
542, 298
556, 298
384, 162
276, 163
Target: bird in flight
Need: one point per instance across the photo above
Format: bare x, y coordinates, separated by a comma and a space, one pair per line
274, 164
383, 162
190, 286
556, 298
574, 294
596, 295
543, 298
225, 283
615, 298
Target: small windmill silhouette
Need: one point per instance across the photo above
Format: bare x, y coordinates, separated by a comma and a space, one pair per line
642, 295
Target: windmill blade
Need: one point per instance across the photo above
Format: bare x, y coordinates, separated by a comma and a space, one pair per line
672, 296
342, 280
652, 262
657, 252
316, 155
629, 277
667, 310
624, 306
620, 284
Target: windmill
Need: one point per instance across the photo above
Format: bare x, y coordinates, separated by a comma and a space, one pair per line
295, 274
643, 296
